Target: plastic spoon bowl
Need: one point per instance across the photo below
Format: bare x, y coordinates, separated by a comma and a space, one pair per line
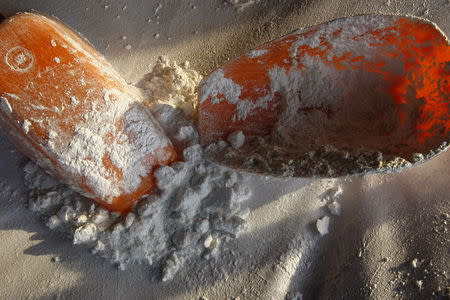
368, 93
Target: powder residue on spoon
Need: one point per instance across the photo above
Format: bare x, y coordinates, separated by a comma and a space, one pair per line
331, 107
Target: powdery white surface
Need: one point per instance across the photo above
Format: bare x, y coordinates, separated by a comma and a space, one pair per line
85, 152
173, 84
389, 219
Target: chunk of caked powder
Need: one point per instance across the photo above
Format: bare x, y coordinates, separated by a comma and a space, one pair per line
197, 204
173, 84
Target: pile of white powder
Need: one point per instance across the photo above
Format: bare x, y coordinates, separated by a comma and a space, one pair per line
196, 209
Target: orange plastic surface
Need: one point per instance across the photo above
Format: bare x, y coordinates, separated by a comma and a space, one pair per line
44, 66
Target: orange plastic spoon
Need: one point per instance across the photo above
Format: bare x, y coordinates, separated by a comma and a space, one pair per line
67, 109
354, 95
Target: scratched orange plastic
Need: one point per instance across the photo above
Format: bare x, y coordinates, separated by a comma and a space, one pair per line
42, 65
423, 50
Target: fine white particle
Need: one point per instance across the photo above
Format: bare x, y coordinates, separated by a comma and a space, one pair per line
256, 53
53, 222
172, 265
73, 100
53, 43
85, 233
56, 259
128, 47
210, 242
322, 225
57, 60
26, 126
52, 134
156, 35
158, 8
415, 263
81, 219
419, 284
236, 139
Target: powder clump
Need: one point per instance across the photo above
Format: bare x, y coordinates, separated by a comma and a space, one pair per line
173, 84
322, 225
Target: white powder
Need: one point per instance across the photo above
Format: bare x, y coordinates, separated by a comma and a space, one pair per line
56, 259
196, 209
52, 134
73, 100
173, 84
415, 263
134, 140
236, 139
256, 53
331, 196
322, 225
26, 126
419, 284
217, 84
